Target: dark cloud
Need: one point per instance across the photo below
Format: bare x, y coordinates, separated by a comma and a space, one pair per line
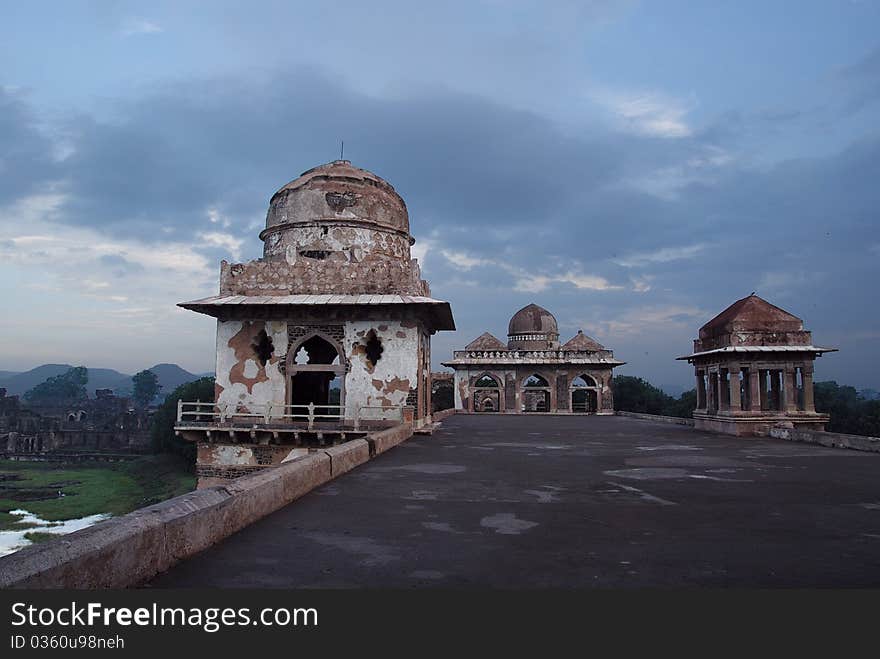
26, 153
500, 184
228, 144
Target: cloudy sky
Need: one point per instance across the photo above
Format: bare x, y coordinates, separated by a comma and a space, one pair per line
634, 167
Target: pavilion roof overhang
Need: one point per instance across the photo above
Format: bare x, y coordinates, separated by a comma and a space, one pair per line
815, 350
438, 311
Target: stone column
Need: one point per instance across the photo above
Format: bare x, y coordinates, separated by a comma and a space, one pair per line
723, 390
754, 389
807, 373
509, 393
701, 390
712, 391
735, 401
789, 381
763, 401
775, 390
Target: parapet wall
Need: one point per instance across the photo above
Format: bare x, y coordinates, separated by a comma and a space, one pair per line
832, 439
658, 418
821, 437
128, 550
445, 414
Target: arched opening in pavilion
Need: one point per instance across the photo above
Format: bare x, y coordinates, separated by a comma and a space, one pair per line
536, 394
584, 395
487, 394
316, 375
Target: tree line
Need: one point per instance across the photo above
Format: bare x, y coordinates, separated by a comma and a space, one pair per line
70, 386
851, 412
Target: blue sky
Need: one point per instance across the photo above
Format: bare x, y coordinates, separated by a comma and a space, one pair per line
634, 167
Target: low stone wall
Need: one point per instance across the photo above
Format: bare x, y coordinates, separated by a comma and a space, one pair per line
130, 549
831, 439
658, 418
444, 414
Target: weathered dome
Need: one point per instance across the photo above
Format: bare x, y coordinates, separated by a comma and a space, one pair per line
532, 319
532, 328
338, 192
751, 314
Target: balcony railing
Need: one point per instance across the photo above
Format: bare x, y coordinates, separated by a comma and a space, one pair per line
519, 355
274, 412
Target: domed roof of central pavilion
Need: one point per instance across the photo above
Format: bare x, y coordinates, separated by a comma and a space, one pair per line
532, 319
338, 191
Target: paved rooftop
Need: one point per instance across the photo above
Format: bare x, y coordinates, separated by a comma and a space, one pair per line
523, 502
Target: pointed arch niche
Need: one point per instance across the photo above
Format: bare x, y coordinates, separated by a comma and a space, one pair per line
586, 394
486, 393
315, 371
535, 394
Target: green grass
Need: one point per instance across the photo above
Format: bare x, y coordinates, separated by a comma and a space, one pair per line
90, 488
39, 536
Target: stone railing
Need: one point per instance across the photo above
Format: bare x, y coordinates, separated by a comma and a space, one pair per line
197, 412
519, 355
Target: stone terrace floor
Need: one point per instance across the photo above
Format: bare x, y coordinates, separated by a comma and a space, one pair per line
570, 502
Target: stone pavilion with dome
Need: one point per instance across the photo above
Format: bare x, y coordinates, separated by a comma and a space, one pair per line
533, 373
753, 365
329, 331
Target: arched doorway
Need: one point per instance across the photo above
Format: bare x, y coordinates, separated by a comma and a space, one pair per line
316, 375
584, 395
536, 394
487, 394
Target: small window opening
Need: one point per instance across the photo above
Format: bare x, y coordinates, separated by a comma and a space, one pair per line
374, 348
317, 254
263, 347
486, 382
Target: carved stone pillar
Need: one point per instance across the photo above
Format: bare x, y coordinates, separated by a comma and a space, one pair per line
701, 390
511, 397
723, 390
712, 398
789, 382
807, 373
754, 389
735, 401
775, 390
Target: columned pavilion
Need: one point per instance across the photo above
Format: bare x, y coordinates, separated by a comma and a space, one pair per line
753, 365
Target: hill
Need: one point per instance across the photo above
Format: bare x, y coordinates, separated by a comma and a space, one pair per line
170, 377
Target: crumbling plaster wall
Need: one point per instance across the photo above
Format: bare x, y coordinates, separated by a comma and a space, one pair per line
352, 243
324, 259
240, 377
333, 275
461, 390
388, 382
